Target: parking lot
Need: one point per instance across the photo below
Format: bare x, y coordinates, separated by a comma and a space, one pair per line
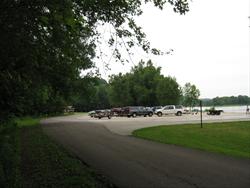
125, 126
98, 142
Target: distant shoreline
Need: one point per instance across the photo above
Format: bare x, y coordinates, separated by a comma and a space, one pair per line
226, 105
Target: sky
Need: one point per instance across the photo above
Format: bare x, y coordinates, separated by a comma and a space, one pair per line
211, 46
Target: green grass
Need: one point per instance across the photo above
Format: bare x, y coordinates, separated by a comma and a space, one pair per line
81, 113
29, 158
231, 138
10, 174
27, 121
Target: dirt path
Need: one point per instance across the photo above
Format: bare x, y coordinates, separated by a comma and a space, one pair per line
132, 162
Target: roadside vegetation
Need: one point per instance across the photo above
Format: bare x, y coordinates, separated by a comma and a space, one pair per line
231, 138
55, 41
30, 159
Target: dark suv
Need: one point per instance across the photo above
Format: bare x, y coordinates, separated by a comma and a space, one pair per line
133, 111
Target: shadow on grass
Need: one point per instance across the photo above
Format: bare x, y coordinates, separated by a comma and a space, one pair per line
30, 159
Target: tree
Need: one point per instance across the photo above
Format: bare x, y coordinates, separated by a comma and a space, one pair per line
233, 100
144, 85
137, 87
190, 95
144, 80
92, 94
102, 98
45, 45
168, 91
120, 91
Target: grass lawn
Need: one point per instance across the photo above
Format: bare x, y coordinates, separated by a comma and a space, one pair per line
231, 138
30, 159
81, 113
27, 122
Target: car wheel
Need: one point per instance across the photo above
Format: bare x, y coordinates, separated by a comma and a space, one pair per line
99, 117
159, 114
134, 115
179, 114
145, 115
109, 117
128, 116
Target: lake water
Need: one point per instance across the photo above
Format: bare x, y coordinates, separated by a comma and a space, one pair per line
240, 109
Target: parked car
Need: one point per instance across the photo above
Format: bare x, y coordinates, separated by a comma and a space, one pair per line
154, 108
133, 111
103, 113
186, 111
68, 109
195, 111
117, 111
170, 109
92, 113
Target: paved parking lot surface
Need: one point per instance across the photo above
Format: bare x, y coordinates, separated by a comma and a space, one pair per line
125, 126
131, 162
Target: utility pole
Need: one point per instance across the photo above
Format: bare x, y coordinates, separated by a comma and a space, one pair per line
247, 110
201, 112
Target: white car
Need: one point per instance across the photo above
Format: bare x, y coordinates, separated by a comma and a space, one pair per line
170, 109
92, 113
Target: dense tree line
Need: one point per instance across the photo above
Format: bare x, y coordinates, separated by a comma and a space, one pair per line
233, 100
144, 85
93, 96
45, 45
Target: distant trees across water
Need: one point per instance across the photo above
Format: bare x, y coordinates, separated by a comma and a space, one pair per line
233, 100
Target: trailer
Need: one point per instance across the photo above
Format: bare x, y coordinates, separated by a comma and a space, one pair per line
103, 113
214, 112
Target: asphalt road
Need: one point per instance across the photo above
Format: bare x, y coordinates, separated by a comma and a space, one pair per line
132, 162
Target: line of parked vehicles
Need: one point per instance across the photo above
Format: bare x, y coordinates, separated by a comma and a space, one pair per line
134, 111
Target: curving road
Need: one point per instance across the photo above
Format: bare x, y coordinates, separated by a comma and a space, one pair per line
132, 162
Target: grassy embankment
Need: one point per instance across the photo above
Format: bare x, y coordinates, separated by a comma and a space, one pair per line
28, 158
231, 138
81, 113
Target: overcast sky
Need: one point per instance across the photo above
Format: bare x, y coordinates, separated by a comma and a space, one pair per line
211, 46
